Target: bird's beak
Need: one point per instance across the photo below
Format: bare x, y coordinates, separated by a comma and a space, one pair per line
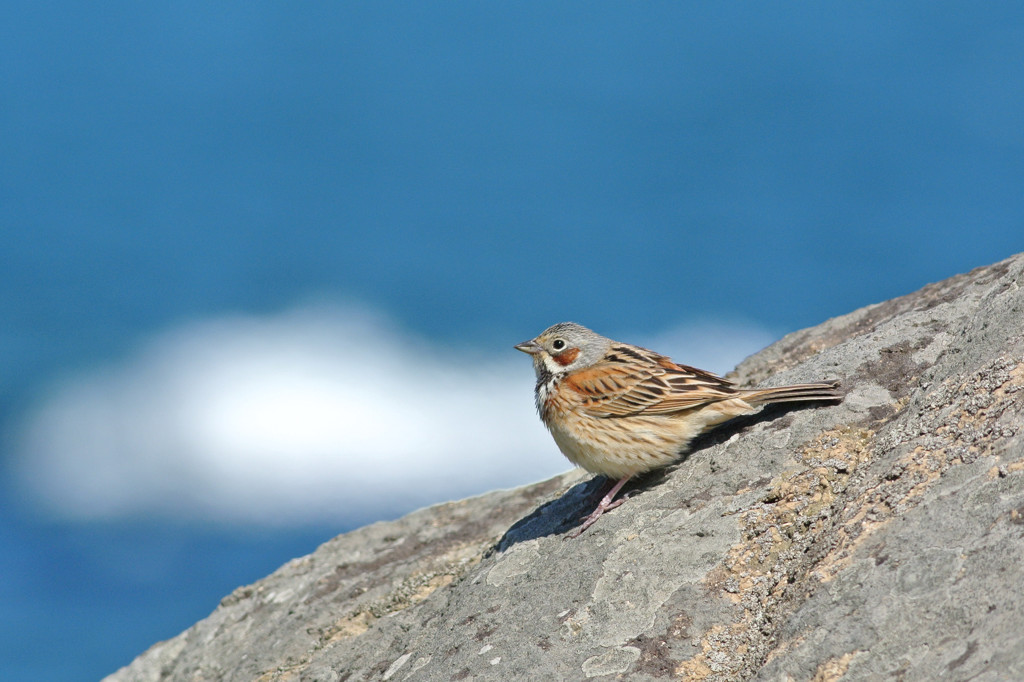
531, 347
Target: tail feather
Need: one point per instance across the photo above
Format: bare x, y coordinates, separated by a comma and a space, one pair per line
826, 390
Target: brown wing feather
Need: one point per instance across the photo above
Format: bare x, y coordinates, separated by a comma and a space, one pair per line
633, 380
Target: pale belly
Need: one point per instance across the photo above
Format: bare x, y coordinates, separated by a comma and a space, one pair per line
621, 447
618, 447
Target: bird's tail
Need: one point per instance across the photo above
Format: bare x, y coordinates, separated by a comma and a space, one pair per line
825, 390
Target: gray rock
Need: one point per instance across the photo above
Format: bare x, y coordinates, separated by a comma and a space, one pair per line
878, 538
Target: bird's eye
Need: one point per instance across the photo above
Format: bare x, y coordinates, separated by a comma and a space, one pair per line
558, 344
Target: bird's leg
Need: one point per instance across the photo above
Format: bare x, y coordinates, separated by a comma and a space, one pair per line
604, 505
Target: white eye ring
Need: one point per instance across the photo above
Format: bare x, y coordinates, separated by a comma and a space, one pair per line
558, 344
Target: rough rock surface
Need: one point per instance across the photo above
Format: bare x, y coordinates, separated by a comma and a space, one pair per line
879, 538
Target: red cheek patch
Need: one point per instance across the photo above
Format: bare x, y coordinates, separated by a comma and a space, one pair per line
567, 356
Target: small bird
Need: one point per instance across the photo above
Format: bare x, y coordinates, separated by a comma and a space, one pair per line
620, 410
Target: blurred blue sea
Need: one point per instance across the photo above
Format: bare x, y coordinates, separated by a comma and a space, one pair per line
223, 227
109, 591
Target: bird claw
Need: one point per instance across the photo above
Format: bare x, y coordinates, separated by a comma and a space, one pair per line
607, 503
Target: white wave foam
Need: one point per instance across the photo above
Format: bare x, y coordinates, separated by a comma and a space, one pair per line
314, 414
715, 345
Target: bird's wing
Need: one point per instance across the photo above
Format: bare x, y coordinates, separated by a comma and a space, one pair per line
632, 380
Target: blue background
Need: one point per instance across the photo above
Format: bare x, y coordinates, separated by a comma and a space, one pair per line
474, 171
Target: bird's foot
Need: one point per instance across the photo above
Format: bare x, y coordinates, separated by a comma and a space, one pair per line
607, 503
